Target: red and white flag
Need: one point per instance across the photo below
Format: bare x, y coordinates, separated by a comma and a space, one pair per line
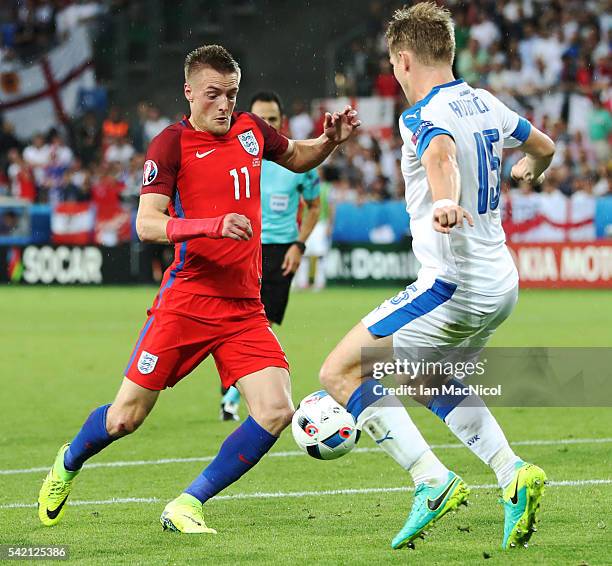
36, 98
73, 223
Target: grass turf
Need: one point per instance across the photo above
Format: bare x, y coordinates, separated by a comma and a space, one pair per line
64, 351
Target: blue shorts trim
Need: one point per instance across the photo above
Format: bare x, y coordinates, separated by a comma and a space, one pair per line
436, 295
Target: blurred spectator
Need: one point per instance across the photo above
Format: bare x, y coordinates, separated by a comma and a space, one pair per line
75, 14
154, 124
88, 138
300, 123
7, 142
385, 83
77, 184
471, 61
379, 189
21, 177
114, 126
137, 126
600, 127
484, 31
9, 222
59, 161
36, 155
132, 179
603, 185
119, 151
60, 154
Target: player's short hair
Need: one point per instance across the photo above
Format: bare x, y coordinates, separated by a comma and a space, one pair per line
215, 56
425, 29
267, 96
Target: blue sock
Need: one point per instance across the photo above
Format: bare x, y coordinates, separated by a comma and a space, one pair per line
238, 454
232, 395
364, 396
89, 441
443, 404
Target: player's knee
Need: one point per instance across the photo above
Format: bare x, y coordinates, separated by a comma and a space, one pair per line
276, 418
329, 377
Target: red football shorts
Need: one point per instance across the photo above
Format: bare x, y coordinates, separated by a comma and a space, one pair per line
182, 329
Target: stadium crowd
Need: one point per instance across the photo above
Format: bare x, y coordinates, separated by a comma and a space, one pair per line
31, 27
549, 60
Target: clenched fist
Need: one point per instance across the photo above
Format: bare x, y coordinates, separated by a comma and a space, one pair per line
448, 216
237, 227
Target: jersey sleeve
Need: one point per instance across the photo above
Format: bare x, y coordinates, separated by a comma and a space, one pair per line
275, 144
515, 129
420, 127
309, 185
162, 162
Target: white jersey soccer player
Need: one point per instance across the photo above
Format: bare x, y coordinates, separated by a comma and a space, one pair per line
453, 137
468, 275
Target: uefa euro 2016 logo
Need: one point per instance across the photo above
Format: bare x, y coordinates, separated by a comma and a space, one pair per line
150, 172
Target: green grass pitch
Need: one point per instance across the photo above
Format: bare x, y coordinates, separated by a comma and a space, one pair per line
64, 351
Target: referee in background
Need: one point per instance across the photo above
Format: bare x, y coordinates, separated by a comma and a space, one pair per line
282, 242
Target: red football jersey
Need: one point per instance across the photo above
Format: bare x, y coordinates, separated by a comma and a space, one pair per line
206, 176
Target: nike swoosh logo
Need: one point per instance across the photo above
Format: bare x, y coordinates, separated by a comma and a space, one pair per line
192, 520
244, 460
514, 498
200, 155
433, 505
53, 514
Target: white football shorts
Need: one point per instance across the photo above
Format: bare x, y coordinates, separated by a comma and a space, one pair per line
432, 313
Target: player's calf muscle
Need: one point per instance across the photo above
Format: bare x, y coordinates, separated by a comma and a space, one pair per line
123, 420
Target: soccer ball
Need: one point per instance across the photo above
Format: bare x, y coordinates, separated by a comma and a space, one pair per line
322, 428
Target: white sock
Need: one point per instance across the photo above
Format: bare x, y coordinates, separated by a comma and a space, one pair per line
389, 424
320, 277
473, 424
302, 275
503, 464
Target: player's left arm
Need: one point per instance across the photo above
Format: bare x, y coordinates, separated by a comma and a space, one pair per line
539, 151
303, 155
440, 163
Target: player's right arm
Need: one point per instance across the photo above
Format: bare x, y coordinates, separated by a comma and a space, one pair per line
440, 162
154, 226
539, 150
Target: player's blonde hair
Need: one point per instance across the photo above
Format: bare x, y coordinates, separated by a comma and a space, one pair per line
425, 29
215, 56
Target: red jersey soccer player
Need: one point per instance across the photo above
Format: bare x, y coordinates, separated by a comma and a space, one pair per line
204, 172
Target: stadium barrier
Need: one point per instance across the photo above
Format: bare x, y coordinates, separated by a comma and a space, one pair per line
371, 264
580, 265
76, 265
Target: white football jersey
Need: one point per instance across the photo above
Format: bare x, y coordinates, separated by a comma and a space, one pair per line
475, 259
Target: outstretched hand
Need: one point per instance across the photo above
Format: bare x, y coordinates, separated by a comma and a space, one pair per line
339, 126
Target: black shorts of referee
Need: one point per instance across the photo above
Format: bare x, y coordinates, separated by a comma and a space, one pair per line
274, 285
